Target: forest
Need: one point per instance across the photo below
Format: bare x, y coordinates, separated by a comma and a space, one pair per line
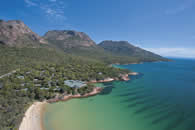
41, 81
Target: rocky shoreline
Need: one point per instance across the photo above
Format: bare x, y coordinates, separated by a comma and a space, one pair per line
96, 90
122, 77
65, 97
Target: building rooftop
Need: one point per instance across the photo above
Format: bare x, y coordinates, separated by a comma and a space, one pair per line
75, 83
20, 77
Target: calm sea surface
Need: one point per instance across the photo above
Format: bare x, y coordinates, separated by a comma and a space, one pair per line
162, 97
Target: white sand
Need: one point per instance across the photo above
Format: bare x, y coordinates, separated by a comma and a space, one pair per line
33, 117
133, 73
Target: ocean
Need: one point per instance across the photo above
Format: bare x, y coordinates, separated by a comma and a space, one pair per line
162, 97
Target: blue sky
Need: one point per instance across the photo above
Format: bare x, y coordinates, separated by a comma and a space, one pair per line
166, 27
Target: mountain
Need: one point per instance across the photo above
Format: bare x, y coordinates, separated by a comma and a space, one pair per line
124, 48
16, 33
77, 44
67, 39
20, 47
80, 44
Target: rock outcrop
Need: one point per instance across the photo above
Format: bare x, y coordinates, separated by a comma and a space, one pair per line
16, 33
69, 39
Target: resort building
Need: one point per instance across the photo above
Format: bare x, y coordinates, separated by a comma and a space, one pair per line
20, 77
75, 83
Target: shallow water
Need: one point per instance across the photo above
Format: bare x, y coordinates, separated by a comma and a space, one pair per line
161, 98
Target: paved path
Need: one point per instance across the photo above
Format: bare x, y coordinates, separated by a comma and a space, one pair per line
8, 74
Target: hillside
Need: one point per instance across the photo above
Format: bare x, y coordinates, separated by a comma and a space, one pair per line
124, 48
80, 44
20, 46
14, 57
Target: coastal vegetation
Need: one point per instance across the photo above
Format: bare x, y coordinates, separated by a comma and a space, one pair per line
45, 81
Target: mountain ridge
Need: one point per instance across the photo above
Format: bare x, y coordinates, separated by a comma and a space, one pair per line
15, 33
124, 48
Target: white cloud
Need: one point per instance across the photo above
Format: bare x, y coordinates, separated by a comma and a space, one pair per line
53, 9
50, 11
54, 12
174, 52
52, 0
176, 10
180, 8
30, 3
137, 45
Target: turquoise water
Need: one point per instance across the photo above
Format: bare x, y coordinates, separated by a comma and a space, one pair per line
162, 97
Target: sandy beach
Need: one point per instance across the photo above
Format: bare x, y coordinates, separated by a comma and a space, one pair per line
133, 73
33, 117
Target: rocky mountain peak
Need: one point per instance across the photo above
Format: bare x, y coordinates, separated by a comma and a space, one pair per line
15, 32
69, 38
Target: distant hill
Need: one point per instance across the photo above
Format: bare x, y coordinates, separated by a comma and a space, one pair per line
124, 48
16, 33
80, 44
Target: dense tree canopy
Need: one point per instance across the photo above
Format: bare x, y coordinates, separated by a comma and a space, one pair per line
43, 81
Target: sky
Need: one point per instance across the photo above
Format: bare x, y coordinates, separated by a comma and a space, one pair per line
166, 27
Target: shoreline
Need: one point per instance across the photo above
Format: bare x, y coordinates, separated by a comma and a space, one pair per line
95, 91
123, 77
32, 119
